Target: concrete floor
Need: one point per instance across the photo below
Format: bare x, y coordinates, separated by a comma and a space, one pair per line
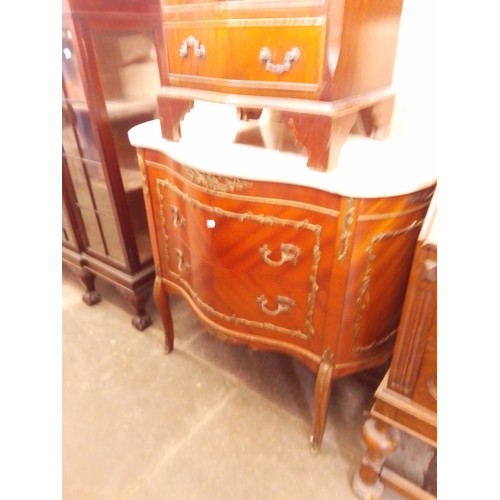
209, 421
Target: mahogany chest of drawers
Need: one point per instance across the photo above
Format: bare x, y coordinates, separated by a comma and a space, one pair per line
322, 64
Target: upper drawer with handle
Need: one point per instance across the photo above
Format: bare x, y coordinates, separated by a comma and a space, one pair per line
263, 56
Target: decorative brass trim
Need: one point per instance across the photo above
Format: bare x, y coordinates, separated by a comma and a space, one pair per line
177, 220
289, 253
218, 333
345, 232
327, 356
366, 281
215, 183
283, 304
182, 264
142, 169
263, 219
254, 199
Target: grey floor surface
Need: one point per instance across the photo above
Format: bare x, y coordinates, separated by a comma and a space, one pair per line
208, 421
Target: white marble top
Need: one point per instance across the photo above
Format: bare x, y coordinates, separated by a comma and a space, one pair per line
366, 168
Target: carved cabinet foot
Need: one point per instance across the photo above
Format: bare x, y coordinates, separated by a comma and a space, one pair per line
172, 112
322, 388
380, 440
322, 136
377, 118
141, 320
163, 305
91, 296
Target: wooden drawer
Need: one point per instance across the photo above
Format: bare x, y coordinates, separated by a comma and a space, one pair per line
263, 306
247, 55
240, 236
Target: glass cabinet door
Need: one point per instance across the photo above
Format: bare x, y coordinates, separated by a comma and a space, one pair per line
92, 198
128, 73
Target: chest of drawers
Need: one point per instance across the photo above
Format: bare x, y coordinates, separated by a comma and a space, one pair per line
276, 256
322, 64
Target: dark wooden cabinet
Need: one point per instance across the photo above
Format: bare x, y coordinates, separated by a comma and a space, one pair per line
110, 78
406, 400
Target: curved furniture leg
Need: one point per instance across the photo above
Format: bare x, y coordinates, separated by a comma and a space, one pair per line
163, 306
380, 440
322, 388
91, 296
138, 300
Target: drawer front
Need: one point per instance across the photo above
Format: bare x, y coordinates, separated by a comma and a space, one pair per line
264, 267
248, 56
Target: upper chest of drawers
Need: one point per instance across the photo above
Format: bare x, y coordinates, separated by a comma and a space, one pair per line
251, 47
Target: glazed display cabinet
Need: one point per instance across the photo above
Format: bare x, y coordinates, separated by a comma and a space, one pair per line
111, 54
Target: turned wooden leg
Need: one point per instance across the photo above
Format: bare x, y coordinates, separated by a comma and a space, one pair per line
163, 306
322, 388
137, 299
380, 440
377, 118
91, 296
322, 136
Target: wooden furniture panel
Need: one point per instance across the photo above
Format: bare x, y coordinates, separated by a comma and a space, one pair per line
334, 303
406, 400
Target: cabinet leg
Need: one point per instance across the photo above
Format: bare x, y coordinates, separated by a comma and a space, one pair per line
163, 305
322, 388
141, 320
322, 136
377, 118
91, 296
172, 112
380, 440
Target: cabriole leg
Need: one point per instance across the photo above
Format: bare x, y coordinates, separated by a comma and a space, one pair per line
163, 305
322, 388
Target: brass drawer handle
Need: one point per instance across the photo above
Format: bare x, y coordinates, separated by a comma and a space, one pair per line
191, 41
182, 265
290, 57
178, 220
289, 253
284, 304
